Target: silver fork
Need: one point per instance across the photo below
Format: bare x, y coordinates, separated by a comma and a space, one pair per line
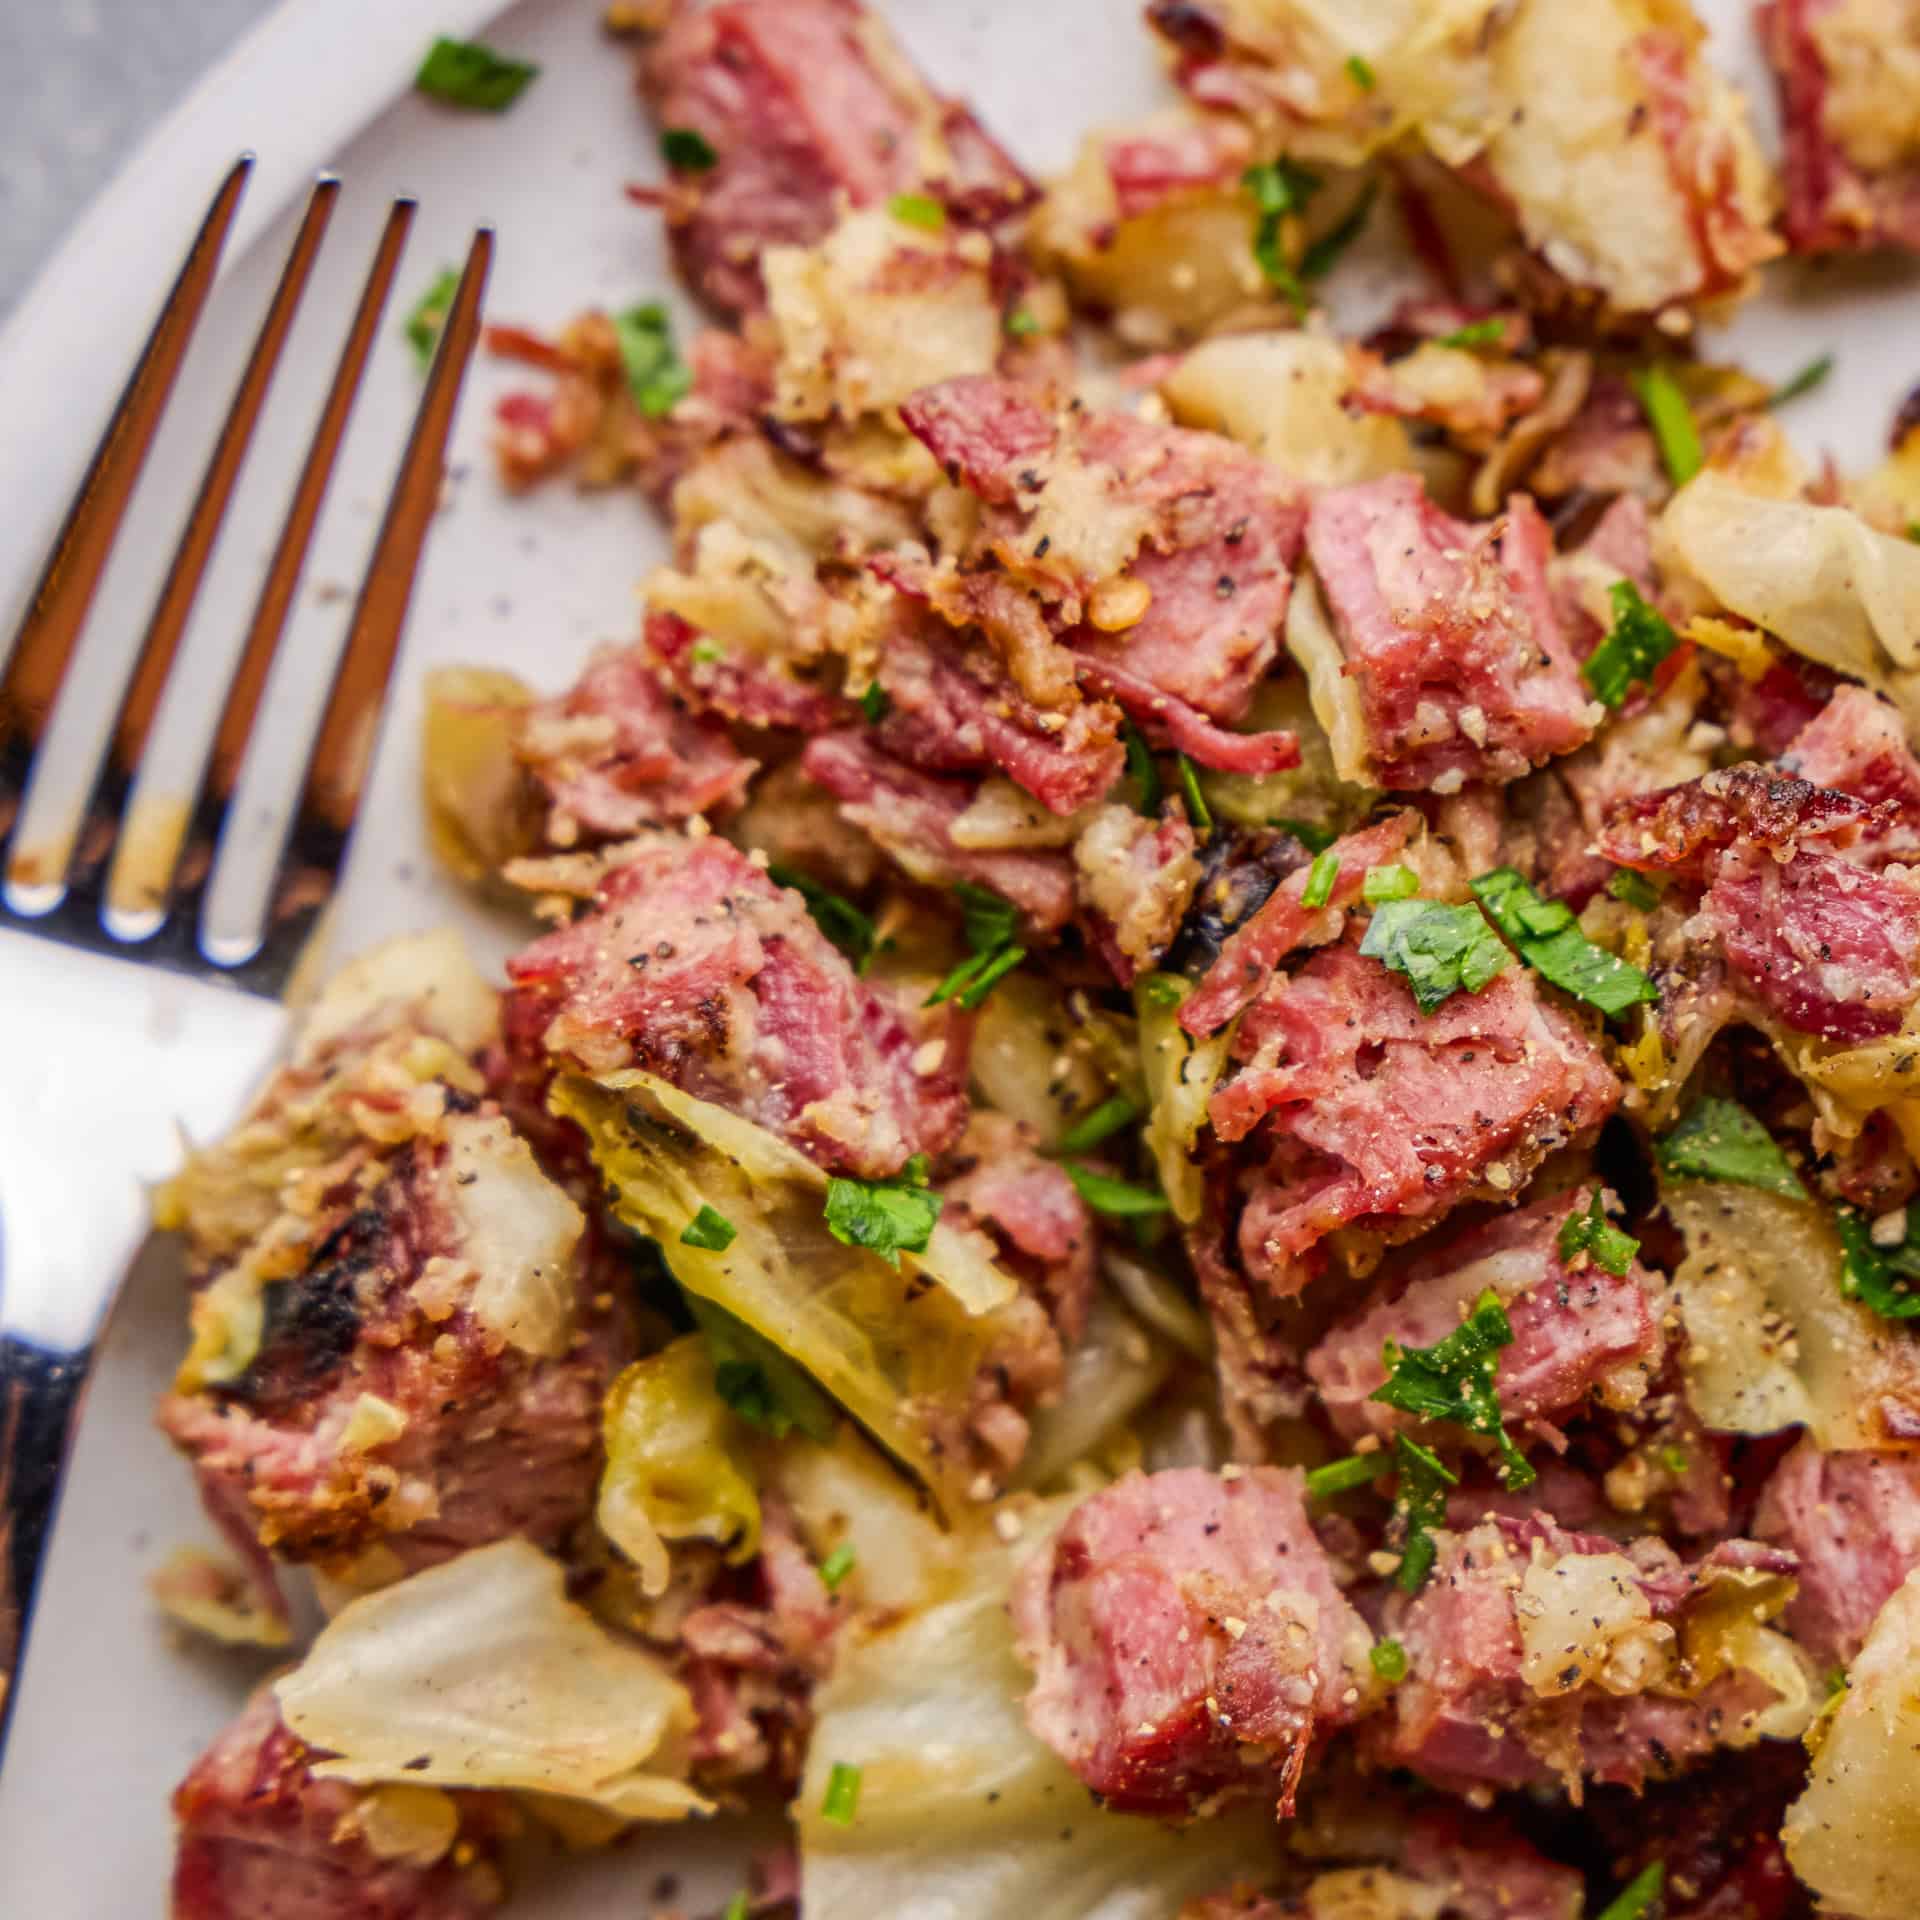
210, 888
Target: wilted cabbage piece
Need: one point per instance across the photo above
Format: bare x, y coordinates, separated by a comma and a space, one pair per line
1854, 1835
481, 1673
898, 1353
1113, 1370
1181, 1074
480, 811
671, 1473
1772, 1341
962, 1813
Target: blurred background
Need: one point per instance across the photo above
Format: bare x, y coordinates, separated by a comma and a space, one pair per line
81, 82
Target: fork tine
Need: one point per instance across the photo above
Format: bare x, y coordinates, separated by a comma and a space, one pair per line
233, 920
44, 643
156, 824
63, 788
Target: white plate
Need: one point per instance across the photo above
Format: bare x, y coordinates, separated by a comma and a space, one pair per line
111, 1710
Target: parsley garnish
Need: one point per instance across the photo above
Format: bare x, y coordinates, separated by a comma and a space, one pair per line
1635, 1899
837, 917
1420, 1500
1549, 940
1456, 1379
464, 73
709, 1230
1141, 770
738, 1908
1342, 1476
759, 1382
1672, 422
1886, 1278
1359, 72
1593, 1234
429, 317
1439, 950
843, 1794
1321, 877
1389, 1660
1197, 809
1809, 377
1490, 332
1323, 255
1393, 882
1104, 1194
1101, 1122
1639, 639
1634, 889
1720, 1140
656, 375
1165, 989
1279, 188
887, 1217
1021, 323
990, 924
1314, 839
706, 653
836, 1566
918, 210
875, 702
688, 150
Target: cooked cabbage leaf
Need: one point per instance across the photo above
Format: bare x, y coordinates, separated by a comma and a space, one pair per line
1181, 1074
481, 1673
899, 1354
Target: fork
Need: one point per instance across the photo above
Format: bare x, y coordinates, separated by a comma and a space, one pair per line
146, 928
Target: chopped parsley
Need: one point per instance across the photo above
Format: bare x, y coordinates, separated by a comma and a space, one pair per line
836, 1566
1675, 1460
707, 653
1437, 949
1116, 1198
1393, 882
843, 1794
1359, 72
657, 377
1720, 1140
689, 151
1420, 1501
1141, 770
887, 1217
991, 924
1809, 377
1197, 809
918, 210
1100, 1123
1323, 255
1593, 1234
1490, 332
1314, 839
1165, 989
429, 316
1389, 1660
1548, 938
1022, 323
1321, 878
836, 916
738, 1908
1634, 889
709, 1230
1886, 1278
759, 1382
464, 73
1639, 639
1279, 188
1635, 1900
1672, 422
1342, 1476
875, 702
1456, 1379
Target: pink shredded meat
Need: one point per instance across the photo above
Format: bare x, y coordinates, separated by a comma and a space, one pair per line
756, 693
1577, 1333
1150, 166
260, 1838
1855, 743
1448, 633
1187, 1638
697, 967
1380, 1117
803, 102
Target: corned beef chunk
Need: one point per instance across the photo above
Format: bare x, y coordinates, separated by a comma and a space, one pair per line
912, 816
1377, 1117
1579, 1333
1856, 744
1447, 635
803, 102
694, 965
260, 1838
1853, 1520
1537, 1656
1852, 178
1188, 1640
1683, 830
754, 692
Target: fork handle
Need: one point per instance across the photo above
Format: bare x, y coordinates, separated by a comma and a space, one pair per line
40, 1394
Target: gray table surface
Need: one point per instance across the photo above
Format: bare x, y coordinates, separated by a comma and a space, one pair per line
80, 82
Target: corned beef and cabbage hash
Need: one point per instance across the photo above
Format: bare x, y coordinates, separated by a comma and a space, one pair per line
1198, 1202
